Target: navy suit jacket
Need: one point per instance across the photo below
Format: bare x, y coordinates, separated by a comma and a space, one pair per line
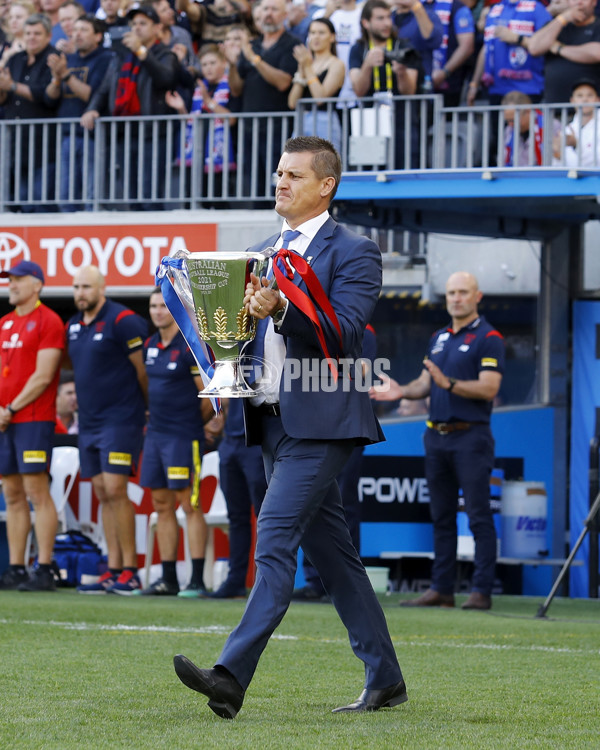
348, 267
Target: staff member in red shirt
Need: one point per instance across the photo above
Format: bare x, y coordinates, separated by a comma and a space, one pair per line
32, 340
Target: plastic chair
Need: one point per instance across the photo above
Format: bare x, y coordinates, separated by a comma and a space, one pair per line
64, 468
216, 514
135, 493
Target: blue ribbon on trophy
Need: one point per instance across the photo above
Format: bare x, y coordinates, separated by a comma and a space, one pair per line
172, 278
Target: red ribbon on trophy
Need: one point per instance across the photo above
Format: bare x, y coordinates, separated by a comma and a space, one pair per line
293, 262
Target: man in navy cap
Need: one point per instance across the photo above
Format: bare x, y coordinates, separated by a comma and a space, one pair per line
31, 344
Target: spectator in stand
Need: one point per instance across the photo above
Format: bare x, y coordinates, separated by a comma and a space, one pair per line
211, 21
418, 24
234, 41
74, 80
68, 13
136, 82
505, 62
175, 37
320, 75
571, 45
116, 24
451, 58
32, 341
211, 96
50, 9
262, 76
172, 449
582, 135
4, 9
105, 343
520, 149
67, 421
345, 17
373, 76
19, 12
242, 477
23, 84
299, 17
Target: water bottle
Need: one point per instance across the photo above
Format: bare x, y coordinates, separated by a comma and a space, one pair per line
428, 85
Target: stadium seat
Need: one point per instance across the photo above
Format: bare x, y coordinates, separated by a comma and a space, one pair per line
64, 467
214, 508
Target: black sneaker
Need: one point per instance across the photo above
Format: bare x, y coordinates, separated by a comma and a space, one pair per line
159, 588
227, 591
40, 579
12, 579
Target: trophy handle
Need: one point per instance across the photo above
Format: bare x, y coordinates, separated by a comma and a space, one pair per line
261, 267
183, 291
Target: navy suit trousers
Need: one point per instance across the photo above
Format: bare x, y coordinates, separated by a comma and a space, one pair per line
303, 506
461, 459
348, 484
242, 476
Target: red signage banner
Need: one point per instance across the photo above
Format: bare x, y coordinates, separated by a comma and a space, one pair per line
127, 255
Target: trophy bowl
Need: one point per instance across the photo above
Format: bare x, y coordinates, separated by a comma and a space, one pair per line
217, 285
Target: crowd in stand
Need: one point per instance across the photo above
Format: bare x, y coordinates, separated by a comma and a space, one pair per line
113, 58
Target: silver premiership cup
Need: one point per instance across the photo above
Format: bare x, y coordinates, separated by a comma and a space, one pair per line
217, 285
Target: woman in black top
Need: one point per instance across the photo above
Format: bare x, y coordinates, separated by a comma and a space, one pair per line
320, 75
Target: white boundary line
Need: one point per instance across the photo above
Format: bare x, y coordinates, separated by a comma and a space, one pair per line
223, 630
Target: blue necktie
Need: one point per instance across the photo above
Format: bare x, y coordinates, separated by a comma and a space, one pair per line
289, 236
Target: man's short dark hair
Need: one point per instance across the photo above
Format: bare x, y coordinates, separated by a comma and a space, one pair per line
96, 23
326, 160
66, 376
370, 6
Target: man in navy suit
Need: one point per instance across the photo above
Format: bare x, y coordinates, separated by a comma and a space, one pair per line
308, 415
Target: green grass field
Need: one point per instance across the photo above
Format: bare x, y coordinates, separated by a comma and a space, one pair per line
96, 672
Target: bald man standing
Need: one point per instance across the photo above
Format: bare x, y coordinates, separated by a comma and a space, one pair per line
461, 373
105, 343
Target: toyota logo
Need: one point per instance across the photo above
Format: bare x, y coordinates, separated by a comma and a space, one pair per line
12, 249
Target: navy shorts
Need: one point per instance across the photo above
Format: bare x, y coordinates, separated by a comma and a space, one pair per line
169, 461
114, 449
26, 448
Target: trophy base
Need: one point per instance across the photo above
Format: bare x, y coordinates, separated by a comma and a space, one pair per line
228, 381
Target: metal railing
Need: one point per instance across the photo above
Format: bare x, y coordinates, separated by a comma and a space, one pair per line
180, 161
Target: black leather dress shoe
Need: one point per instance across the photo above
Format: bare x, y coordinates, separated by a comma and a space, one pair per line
373, 700
224, 691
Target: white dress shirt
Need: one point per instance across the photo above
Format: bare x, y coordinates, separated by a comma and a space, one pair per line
274, 354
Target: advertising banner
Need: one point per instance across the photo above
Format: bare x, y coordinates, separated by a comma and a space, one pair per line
127, 255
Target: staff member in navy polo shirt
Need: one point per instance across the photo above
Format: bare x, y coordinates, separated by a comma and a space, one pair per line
462, 374
173, 447
105, 343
